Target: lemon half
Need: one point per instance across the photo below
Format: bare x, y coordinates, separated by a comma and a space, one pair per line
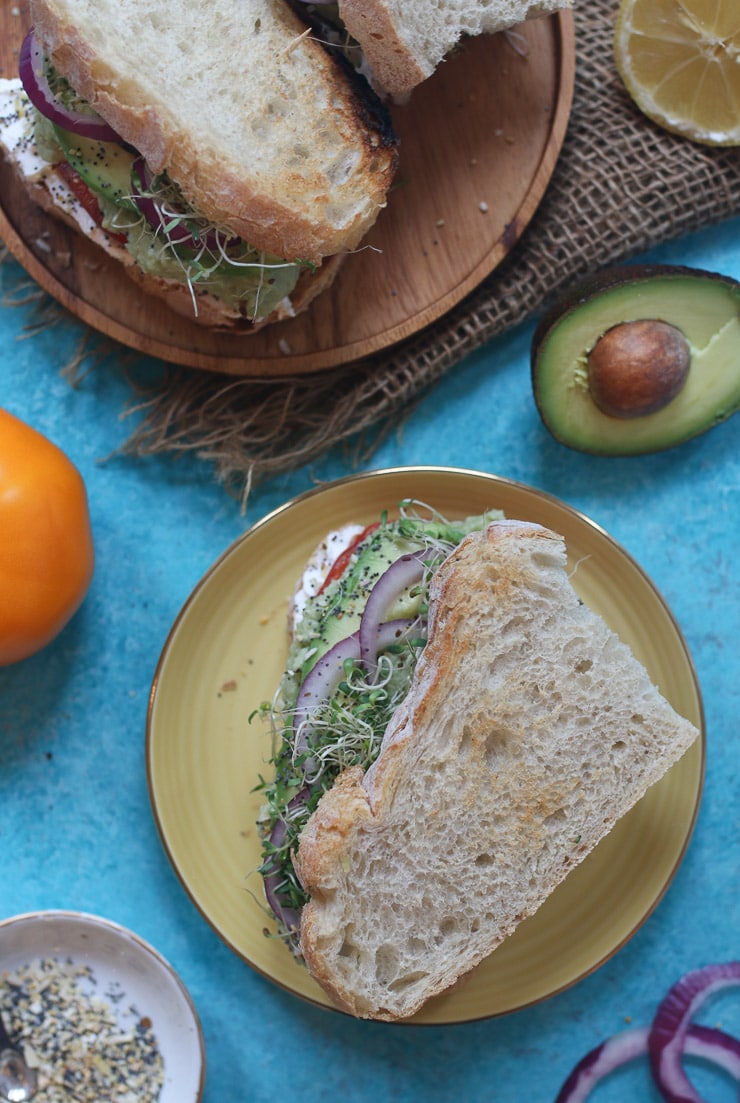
680, 63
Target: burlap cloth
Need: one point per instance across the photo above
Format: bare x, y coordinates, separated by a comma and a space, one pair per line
621, 185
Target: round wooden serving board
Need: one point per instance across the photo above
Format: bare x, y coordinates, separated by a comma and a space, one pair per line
479, 141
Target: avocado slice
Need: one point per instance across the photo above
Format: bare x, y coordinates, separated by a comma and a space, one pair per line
104, 166
374, 557
702, 309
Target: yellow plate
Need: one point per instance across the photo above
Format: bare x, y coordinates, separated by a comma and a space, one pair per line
225, 654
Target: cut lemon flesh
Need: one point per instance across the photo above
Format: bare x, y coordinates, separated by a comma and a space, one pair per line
680, 63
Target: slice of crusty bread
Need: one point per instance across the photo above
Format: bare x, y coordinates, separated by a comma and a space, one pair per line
405, 40
529, 730
260, 127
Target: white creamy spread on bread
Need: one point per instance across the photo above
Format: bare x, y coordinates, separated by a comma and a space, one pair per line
16, 130
318, 566
17, 137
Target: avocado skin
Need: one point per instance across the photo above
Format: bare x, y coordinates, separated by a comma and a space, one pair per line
712, 392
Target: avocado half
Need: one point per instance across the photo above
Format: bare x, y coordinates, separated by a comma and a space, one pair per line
703, 311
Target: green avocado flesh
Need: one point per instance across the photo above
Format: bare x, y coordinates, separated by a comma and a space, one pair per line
704, 306
373, 558
104, 166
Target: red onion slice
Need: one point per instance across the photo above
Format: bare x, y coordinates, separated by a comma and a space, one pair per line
318, 687
289, 917
322, 680
700, 1041
38, 90
403, 573
671, 1024
714, 1045
175, 225
601, 1061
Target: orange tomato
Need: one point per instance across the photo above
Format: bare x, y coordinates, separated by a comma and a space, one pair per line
46, 545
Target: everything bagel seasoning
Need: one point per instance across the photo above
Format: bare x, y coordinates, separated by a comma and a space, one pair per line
88, 1045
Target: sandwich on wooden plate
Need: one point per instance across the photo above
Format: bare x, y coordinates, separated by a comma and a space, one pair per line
216, 149
455, 731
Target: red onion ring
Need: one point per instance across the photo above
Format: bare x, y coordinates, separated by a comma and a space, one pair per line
318, 687
404, 572
289, 917
322, 680
699, 1041
37, 88
173, 228
670, 1026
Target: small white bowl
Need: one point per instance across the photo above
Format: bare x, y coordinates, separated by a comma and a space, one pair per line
123, 962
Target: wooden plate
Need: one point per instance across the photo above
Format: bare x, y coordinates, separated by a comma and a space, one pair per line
226, 653
479, 141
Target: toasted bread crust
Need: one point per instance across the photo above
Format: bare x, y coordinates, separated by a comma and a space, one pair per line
325, 841
293, 162
529, 730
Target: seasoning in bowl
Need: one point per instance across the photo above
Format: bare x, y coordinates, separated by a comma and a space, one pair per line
88, 1042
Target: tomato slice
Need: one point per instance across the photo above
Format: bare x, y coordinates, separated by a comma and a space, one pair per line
340, 564
85, 196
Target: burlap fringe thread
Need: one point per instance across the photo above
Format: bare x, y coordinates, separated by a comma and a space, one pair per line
621, 185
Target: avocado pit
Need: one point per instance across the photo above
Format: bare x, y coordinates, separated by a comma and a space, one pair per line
636, 368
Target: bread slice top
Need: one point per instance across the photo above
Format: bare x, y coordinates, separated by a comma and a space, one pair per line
529, 730
264, 132
405, 40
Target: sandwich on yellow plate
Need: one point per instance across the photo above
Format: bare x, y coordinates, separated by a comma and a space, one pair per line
214, 148
455, 731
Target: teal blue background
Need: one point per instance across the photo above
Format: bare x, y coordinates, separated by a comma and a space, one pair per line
76, 827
